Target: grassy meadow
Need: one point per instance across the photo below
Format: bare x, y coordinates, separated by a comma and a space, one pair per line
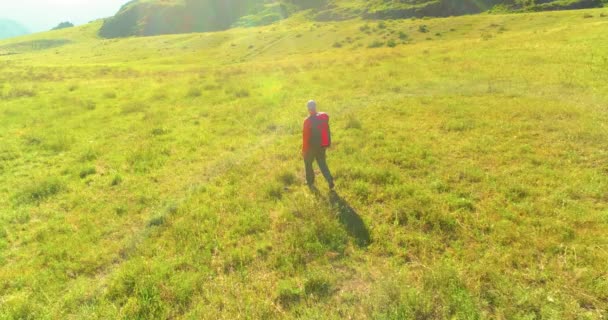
161, 177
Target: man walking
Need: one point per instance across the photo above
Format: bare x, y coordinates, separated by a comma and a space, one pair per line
316, 139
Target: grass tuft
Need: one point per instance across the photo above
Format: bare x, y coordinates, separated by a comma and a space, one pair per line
288, 294
90, 154
40, 191
133, 107
241, 93
157, 221
16, 93
376, 44
87, 172
116, 180
318, 287
194, 92
287, 178
159, 131
109, 95
274, 191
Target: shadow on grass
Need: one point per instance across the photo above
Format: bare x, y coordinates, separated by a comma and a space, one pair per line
348, 216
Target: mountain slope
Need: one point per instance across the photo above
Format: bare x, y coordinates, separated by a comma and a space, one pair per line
153, 17
146, 18
161, 177
10, 28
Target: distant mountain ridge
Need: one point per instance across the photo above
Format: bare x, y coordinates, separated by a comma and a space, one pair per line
10, 28
155, 17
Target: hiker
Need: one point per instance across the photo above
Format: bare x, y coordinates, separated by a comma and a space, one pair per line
317, 138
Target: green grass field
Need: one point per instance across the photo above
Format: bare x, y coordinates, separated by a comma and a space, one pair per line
161, 177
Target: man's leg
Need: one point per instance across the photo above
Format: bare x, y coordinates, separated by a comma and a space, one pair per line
310, 173
324, 168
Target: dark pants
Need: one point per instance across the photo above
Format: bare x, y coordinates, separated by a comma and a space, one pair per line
319, 155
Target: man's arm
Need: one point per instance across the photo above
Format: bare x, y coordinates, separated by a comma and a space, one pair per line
305, 137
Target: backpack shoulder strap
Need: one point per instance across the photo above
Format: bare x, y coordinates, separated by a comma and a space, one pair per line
314, 119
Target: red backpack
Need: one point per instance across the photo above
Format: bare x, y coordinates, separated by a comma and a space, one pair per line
320, 132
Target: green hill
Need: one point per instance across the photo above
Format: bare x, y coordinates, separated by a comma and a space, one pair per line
161, 178
146, 17
10, 28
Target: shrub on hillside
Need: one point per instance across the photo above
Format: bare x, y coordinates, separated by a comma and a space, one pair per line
336, 14
63, 25
268, 15
565, 5
307, 4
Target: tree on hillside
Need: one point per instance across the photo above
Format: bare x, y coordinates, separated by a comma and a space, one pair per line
63, 25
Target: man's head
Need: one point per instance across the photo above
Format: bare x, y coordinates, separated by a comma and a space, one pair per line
312, 106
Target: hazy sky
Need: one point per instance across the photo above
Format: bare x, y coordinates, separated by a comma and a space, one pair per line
42, 15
